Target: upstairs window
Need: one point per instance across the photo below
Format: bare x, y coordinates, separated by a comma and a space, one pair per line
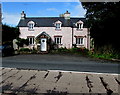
58, 25
79, 25
31, 25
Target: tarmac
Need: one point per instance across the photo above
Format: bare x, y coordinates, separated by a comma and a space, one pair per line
55, 82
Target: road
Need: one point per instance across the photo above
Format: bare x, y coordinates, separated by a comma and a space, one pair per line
60, 62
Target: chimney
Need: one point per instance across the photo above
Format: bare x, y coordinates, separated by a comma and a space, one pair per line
67, 15
23, 15
61, 15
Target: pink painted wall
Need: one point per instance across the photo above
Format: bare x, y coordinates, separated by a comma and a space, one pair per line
65, 32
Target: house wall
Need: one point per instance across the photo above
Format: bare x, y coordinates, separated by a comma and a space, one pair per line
65, 32
82, 33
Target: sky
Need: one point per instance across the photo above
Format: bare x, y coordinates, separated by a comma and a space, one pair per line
11, 10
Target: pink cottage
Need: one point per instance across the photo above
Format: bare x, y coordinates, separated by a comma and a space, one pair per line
46, 32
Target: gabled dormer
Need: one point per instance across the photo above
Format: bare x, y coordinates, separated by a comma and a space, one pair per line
79, 25
58, 25
31, 25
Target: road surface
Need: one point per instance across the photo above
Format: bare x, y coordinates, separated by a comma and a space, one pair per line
60, 62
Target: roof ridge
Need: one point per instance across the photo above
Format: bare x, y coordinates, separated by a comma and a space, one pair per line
44, 17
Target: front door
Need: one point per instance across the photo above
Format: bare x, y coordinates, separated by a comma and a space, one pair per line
43, 44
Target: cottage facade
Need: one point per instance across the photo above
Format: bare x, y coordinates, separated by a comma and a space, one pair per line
63, 31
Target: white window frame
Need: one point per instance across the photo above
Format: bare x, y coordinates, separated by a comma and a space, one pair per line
31, 40
79, 41
31, 25
58, 26
58, 40
79, 25
58, 23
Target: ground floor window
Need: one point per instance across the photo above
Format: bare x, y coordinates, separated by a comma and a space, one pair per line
79, 41
58, 40
31, 40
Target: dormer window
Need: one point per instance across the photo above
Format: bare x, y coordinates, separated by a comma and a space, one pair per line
58, 25
79, 25
31, 25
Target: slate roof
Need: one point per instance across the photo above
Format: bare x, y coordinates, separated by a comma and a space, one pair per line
49, 21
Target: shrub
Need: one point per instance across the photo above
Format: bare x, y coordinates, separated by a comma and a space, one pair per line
33, 51
21, 42
82, 51
106, 52
24, 50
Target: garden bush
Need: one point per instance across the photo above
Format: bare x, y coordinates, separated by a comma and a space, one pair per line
106, 52
24, 50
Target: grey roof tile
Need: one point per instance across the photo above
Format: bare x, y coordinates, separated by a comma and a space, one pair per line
49, 21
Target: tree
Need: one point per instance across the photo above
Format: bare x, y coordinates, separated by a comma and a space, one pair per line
22, 42
9, 33
103, 19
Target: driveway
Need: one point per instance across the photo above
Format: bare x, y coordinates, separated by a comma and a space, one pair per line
60, 62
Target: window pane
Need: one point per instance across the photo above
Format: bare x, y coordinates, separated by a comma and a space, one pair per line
81, 41
33, 41
31, 26
77, 25
30, 40
58, 26
58, 40
76, 41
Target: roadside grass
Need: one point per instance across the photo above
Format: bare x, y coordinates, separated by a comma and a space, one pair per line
101, 53
105, 52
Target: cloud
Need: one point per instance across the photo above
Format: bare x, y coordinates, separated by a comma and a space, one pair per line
10, 19
52, 9
78, 11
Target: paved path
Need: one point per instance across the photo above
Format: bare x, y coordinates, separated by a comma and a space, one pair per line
60, 62
59, 82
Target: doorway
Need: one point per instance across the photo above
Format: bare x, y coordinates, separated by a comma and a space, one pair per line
43, 44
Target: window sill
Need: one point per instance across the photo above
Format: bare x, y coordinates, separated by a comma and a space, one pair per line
80, 44
58, 29
30, 29
79, 29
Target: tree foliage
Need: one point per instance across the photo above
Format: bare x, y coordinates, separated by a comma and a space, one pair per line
9, 33
21, 42
103, 18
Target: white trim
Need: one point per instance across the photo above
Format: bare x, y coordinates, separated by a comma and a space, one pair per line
58, 22
58, 40
32, 39
78, 41
31, 25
